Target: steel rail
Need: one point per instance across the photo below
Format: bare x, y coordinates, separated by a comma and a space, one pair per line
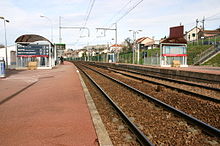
171, 87
206, 127
177, 81
140, 136
201, 79
163, 78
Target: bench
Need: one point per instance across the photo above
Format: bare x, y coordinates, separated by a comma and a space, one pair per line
32, 65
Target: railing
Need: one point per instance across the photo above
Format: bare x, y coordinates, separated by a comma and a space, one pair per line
201, 58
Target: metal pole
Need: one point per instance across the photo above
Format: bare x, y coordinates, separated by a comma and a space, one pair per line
51, 26
138, 57
60, 39
161, 51
116, 33
133, 48
6, 49
203, 23
197, 21
51, 32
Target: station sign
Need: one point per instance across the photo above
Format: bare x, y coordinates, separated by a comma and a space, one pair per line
60, 46
33, 50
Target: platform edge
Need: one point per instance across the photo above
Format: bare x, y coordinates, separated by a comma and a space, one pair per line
102, 134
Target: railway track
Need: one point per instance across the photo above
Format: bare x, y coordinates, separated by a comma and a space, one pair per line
140, 136
118, 131
159, 74
201, 109
166, 116
198, 93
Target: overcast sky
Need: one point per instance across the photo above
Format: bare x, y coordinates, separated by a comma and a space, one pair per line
153, 17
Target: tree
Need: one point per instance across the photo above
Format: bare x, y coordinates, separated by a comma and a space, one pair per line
2, 46
129, 44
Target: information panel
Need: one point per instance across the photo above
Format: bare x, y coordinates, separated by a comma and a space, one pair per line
33, 50
60, 46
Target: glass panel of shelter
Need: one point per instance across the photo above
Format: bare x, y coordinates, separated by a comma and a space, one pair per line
41, 61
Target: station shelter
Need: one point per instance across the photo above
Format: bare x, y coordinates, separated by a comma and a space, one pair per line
113, 53
111, 57
174, 49
35, 48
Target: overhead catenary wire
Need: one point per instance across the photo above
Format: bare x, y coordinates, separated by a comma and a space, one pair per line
89, 10
212, 15
117, 13
129, 10
120, 11
213, 19
209, 18
126, 13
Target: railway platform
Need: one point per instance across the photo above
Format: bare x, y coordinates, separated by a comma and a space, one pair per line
46, 107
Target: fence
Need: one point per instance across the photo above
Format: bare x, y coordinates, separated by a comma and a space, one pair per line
123, 58
143, 59
152, 60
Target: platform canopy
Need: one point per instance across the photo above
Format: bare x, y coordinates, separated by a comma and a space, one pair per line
29, 38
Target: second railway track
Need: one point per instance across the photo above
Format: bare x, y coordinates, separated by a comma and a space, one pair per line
211, 87
160, 126
206, 111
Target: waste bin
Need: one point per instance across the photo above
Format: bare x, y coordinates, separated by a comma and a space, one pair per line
2, 68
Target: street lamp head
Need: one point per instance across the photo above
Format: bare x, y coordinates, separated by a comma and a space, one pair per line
4, 19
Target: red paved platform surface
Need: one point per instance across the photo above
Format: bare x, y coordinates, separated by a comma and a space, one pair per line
53, 111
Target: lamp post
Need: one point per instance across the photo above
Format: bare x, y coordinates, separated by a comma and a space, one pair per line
51, 26
6, 54
135, 32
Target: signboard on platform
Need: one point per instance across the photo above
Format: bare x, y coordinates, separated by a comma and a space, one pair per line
60, 46
33, 50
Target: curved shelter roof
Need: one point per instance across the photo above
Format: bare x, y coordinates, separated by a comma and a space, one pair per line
29, 38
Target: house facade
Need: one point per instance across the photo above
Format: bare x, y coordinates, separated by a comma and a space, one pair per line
208, 33
192, 35
147, 43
